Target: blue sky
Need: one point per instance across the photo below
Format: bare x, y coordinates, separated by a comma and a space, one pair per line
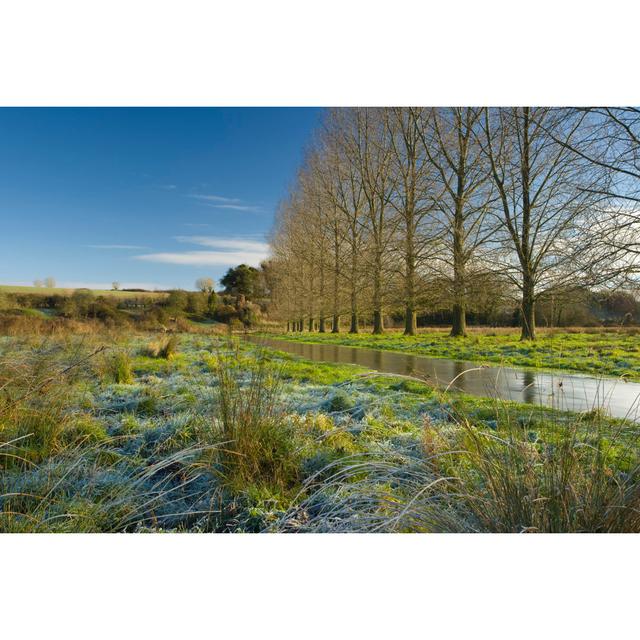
148, 197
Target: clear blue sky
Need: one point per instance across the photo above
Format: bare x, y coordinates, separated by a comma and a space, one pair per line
148, 197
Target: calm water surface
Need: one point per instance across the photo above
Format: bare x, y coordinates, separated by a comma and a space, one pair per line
572, 392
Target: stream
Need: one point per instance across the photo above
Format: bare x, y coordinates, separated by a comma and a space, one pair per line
558, 390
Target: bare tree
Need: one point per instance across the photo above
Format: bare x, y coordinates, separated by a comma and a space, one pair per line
115, 285
545, 199
330, 229
50, 282
293, 260
610, 140
450, 138
370, 151
345, 191
414, 200
205, 285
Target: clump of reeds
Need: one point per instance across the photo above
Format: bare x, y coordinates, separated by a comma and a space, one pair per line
580, 474
165, 349
34, 402
116, 367
257, 444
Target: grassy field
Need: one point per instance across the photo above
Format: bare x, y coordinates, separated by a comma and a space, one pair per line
48, 291
610, 353
141, 432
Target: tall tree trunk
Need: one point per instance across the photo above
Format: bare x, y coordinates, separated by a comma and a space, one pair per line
322, 298
310, 325
410, 321
354, 309
410, 324
528, 298
354, 284
336, 283
378, 327
459, 320
528, 310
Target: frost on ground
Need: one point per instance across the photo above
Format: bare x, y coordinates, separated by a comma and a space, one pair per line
137, 442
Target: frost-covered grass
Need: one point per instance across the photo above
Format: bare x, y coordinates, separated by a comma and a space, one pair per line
228, 436
611, 353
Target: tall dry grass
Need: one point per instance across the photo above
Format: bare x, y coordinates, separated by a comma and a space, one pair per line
555, 474
577, 475
257, 443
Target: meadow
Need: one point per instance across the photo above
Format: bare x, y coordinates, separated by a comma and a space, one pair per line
60, 291
609, 352
134, 431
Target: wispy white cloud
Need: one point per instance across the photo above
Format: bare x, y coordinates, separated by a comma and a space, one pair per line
239, 207
230, 252
206, 258
213, 198
234, 244
222, 202
116, 246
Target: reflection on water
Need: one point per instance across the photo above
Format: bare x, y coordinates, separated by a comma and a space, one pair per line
571, 392
529, 393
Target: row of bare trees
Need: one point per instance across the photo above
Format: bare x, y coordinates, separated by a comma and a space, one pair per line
404, 208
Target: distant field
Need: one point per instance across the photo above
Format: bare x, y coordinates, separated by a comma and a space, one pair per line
6, 288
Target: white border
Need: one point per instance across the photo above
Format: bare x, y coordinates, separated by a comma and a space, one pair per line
334, 52
319, 586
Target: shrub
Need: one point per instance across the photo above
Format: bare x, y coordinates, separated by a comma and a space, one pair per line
225, 312
177, 301
197, 303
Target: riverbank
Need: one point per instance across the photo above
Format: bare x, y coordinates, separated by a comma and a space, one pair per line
608, 353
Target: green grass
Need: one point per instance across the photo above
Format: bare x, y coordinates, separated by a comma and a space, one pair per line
608, 353
307, 371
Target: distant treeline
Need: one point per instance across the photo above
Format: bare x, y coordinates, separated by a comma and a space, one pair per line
571, 308
582, 308
165, 311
